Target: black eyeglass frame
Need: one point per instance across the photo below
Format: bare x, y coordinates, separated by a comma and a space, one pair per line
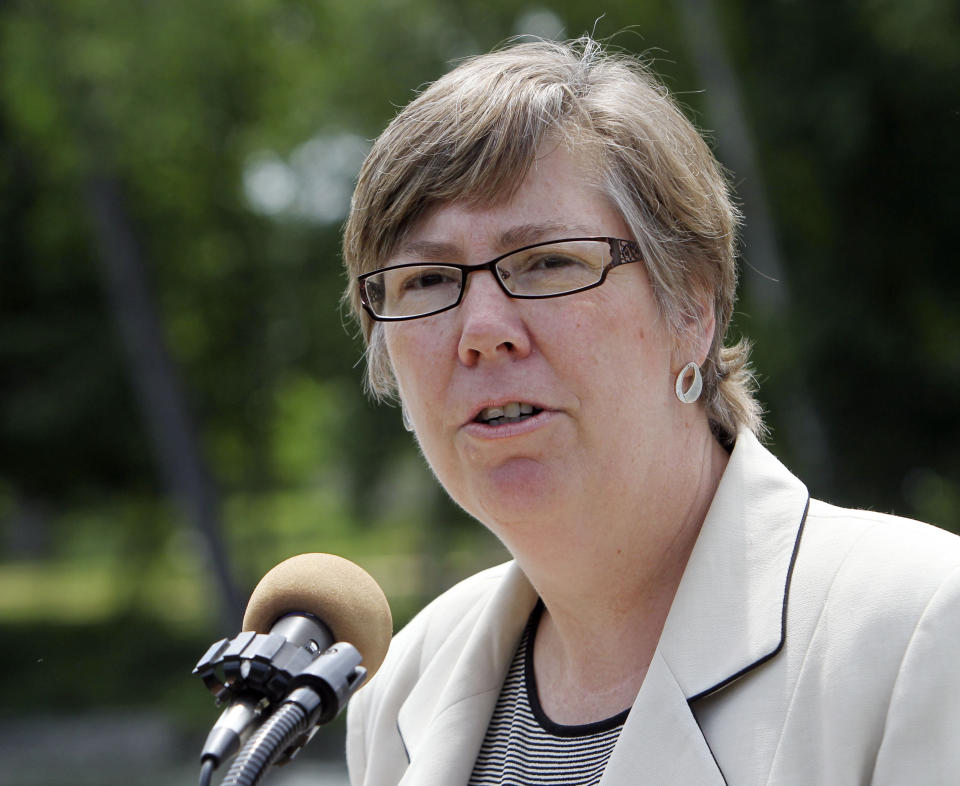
622, 252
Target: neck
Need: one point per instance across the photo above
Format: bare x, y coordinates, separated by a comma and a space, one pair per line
606, 604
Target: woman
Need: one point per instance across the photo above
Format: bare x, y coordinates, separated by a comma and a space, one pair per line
541, 250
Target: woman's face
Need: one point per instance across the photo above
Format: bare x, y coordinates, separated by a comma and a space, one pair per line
599, 366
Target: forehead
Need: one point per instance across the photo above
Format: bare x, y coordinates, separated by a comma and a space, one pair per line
557, 199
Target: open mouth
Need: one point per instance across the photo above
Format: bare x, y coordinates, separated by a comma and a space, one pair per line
513, 412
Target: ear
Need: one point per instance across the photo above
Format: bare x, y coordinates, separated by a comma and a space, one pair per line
696, 335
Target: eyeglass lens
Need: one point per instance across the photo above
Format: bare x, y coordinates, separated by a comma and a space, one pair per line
542, 271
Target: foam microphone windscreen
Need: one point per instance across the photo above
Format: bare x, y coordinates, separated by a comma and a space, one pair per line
341, 594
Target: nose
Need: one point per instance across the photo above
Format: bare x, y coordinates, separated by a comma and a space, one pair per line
491, 322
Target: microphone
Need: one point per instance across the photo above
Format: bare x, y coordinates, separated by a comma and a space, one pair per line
284, 655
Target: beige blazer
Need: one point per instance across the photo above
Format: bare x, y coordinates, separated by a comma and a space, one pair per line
806, 645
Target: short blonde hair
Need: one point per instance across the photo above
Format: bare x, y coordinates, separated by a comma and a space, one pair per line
474, 134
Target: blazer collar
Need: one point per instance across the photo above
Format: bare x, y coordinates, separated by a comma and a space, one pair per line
729, 613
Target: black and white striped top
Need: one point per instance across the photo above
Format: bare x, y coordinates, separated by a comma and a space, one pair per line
523, 747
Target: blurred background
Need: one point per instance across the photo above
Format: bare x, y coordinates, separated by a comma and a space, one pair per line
181, 397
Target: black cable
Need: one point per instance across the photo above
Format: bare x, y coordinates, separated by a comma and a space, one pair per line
206, 771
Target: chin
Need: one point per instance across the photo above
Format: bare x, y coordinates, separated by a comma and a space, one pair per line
520, 493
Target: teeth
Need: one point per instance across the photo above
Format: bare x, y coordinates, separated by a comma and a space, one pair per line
508, 413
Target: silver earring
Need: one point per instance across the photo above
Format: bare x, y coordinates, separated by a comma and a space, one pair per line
405, 417
693, 392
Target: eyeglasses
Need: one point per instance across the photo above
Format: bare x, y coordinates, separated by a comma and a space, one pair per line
542, 270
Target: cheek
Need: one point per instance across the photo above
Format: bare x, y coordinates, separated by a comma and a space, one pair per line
618, 348
598, 332
416, 356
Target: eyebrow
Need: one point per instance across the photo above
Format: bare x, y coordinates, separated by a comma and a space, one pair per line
510, 239
525, 234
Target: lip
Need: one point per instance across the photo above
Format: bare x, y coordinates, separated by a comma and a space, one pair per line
501, 402
532, 423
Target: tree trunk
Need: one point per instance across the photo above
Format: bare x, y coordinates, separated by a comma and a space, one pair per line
162, 402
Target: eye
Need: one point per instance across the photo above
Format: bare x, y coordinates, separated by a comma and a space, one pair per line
556, 262
374, 291
426, 278
551, 261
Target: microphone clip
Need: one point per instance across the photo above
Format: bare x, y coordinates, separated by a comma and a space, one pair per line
259, 664
258, 672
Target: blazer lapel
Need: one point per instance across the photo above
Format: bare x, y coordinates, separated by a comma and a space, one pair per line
661, 742
444, 719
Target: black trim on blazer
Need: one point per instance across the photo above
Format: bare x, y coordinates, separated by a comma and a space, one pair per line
403, 742
783, 619
769, 655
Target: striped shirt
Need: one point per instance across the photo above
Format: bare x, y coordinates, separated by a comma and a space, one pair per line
523, 747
